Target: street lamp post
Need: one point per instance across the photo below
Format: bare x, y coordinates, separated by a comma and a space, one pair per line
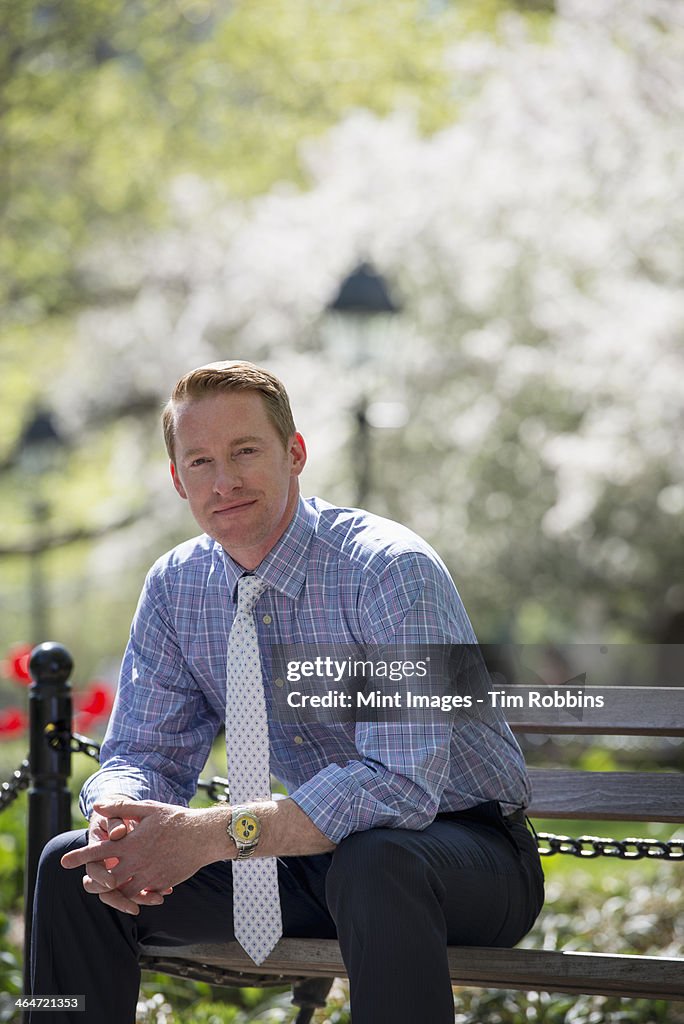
38, 589
38, 450
363, 297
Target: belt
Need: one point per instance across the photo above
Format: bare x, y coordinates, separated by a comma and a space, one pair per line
489, 812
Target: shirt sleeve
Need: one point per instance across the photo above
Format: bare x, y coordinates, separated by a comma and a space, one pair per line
161, 729
403, 764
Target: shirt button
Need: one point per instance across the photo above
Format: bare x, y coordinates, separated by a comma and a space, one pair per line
267, 619
298, 740
280, 682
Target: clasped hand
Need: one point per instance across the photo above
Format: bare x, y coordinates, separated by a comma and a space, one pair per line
137, 851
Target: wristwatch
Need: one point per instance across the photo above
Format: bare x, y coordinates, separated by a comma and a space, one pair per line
244, 829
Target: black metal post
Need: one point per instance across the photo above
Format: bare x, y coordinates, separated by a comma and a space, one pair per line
310, 994
49, 796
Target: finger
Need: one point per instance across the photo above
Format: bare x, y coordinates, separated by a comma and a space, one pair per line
132, 890
95, 886
97, 832
87, 855
118, 901
117, 807
117, 829
97, 875
147, 898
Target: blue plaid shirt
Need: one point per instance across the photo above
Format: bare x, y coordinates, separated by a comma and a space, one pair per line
339, 576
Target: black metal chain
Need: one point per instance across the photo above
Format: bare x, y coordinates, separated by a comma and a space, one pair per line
60, 739
10, 790
217, 790
623, 849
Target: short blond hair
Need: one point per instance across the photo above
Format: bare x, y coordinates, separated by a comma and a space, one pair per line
234, 375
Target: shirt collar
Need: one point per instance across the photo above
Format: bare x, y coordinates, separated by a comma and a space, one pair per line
284, 567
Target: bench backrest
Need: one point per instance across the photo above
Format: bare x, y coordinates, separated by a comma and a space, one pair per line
608, 711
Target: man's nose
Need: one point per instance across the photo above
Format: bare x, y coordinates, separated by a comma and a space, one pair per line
226, 479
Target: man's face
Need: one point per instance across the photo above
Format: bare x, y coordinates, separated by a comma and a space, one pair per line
231, 466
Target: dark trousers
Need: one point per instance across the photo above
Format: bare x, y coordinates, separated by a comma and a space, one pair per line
394, 898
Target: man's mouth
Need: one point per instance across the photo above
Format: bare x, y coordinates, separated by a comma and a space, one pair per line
235, 507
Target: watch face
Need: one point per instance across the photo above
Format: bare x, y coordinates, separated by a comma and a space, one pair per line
245, 828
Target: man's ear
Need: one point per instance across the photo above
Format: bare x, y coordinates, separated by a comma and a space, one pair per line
297, 451
176, 481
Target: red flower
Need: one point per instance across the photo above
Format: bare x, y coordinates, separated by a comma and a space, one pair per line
12, 721
16, 664
96, 701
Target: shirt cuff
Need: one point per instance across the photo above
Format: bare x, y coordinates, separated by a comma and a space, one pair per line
130, 782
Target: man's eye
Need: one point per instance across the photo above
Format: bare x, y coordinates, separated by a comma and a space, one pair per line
199, 462
246, 451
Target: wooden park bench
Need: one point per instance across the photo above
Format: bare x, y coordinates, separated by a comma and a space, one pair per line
634, 796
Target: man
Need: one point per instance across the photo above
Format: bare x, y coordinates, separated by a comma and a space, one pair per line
399, 834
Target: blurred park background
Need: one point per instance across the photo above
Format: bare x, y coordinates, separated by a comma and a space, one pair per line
191, 180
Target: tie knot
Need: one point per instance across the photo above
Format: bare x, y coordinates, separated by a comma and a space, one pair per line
250, 589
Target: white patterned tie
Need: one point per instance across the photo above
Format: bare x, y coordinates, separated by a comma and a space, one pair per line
257, 919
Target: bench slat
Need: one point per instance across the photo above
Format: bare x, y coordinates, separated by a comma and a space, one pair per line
626, 711
613, 796
547, 970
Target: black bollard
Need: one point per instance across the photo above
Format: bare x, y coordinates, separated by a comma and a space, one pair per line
49, 796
